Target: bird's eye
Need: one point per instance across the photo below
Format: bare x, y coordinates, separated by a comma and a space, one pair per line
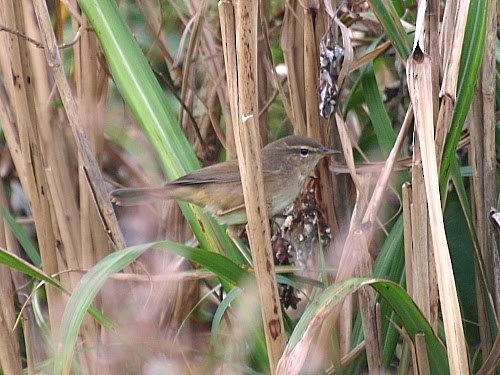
304, 151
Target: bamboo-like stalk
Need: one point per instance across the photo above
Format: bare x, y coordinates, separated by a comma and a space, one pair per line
34, 353
248, 148
311, 75
432, 45
92, 239
420, 246
451, 66
419, 82
20, 85
61, 184
89, 163
407, 236
371, 327
88, 75
421, 355
292, 46
228, 32
484, 188
10, 358
90, 172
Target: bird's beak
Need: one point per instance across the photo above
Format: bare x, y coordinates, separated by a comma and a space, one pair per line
329, 151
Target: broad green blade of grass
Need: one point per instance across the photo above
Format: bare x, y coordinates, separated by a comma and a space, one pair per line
414, 322
258, 341
16, 263
225, 269
395, 296
28, 246
82, 297
219, 314
142, 93
377, 112
472, 54
388, 17
92, 282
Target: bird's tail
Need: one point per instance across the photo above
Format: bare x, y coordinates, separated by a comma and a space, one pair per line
137, 196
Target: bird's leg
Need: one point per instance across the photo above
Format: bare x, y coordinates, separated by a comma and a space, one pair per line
232, 232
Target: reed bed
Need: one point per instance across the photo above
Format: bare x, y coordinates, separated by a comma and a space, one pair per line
388, 262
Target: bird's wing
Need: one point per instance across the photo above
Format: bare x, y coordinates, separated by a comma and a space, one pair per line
218, 173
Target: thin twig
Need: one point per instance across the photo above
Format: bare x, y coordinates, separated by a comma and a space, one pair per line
37, 44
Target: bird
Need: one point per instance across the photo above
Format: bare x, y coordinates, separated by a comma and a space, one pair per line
286, 166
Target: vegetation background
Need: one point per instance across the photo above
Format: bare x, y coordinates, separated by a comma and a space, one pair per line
401, 271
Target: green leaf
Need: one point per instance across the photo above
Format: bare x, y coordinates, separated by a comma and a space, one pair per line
92, 282
81, 299
388, 17
21, 265
472, 54
223, 267
142, 93
414, 322
28, 246
399, 301
377, 112
219, 313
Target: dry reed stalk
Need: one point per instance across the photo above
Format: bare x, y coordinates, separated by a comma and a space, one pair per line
484, 188
369, 214
90, 175
349, 265
91, 94
406, 193
10, 356
341, 185
150, 16
206, 44
431, 26
422, 360
347, 151
420, 88
89, 164
490, 365
348, 359
29, 162
425, 290
228, 34
249, 158
451, 65
346, 313
262, 77
34, 353
292, 45
316, 128
310, 68
481, 224
365, 213
376, 200
188, 94
420, 245
371, 320
269, 68
62, 187
91, 238
344, 327
9, 340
